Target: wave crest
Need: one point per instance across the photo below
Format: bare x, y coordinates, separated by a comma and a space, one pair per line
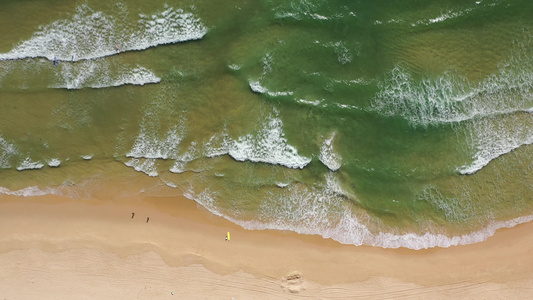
90, 34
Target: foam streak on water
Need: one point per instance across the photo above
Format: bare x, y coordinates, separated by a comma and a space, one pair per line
7, 153
30, 191
100, 74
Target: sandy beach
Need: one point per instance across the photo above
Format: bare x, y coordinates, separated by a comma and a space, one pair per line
68, 247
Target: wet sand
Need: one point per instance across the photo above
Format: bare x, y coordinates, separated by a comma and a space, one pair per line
59, 247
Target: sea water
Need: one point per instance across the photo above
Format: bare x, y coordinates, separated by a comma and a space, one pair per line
385, 123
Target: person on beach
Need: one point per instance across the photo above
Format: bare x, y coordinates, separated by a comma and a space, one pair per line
116, 47
147, 219
132, 215
56, 62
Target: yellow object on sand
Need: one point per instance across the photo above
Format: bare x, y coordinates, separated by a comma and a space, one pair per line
228, 236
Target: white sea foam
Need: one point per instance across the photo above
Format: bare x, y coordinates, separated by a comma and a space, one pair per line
454, 13
445, 16
30, 191
101, 73
170, 184
429, 240
218, 145
182, 160
54, 162
314, 103
267, 145
342, 49
327, 156
29, 164
206, 198
322, 212
311, 210
347, 106
344, 55
88, 156
431, 101
90, 34
319, 17
258, 88
309, 9
492, 138
451, 98
234, 67
145, 165
149, 145
450, 14
8, 152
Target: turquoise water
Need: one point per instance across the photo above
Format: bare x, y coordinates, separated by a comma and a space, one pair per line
394, 124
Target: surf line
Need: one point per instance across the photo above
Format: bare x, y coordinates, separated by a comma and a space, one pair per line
56, 61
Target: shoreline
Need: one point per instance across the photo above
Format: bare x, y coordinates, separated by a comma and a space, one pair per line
184, 240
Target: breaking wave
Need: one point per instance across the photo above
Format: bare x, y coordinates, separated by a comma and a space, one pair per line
267, 145
450, 98
8, 151
30, 191
329, 158
314, 211
29, 164
492, 138
90, 34
101, 74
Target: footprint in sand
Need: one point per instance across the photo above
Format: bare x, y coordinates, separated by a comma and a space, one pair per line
293, 282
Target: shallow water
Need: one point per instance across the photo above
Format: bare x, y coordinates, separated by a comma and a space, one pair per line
370, 122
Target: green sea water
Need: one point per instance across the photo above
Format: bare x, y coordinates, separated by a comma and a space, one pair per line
386, 123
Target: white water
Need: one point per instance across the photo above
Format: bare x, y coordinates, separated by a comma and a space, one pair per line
101, 74
322, 212
8, 152
327, 156
267, 144
90, 34
30, 191
492, 138
29, 164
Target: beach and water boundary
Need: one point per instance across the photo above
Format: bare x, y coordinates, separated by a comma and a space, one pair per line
56, 246
423, 143
317, 129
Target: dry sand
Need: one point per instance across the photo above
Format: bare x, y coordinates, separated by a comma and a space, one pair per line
58, 247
